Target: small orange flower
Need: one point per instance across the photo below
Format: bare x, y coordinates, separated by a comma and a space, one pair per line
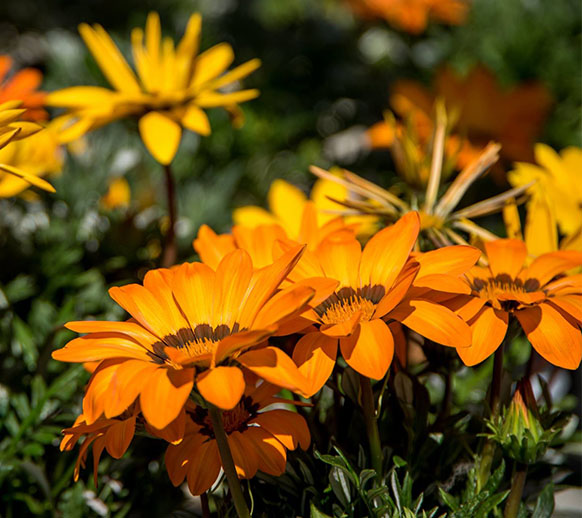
189, 324
258, 440
413, 15
23, 86
366, 290
546, 302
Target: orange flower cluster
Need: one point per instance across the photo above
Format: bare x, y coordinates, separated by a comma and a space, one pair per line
23, 86
199, 336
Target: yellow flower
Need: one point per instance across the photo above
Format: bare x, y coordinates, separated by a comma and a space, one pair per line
172, 86
13, 129
286, 203
38, 155
118, 195
557, 192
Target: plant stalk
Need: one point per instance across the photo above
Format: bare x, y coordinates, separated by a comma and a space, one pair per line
204, 505
369, 410
517, 485
240, 503
494, 394
170, 251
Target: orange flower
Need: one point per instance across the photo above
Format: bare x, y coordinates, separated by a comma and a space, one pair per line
546, 303
257, 439
189, 324
366, 290
22, 86
513, 117
413, 15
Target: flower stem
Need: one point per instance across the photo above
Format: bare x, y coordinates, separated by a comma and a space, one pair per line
170, 252
204, 505
489, 447
517, 484
227, 463
369, 410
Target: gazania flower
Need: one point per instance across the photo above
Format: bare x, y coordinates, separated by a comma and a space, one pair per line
413, 15
258, 439
190, 324
485, 111
288, 206
37, 155
556, 192
441, 225
173, 86
13, 129
22, 86
546, 303
371, 290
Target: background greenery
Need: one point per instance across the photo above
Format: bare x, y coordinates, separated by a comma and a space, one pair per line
324, 71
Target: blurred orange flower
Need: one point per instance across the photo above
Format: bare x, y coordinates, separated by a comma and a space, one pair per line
22, 86
258, 439
189, 324
484, 111
413, 15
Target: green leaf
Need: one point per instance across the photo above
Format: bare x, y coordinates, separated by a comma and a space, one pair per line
545, 503
399, 461
316, 513
449, 500
340, 485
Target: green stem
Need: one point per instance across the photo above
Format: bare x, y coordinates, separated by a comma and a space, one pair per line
517, 485
369, 410
494, 394
227, 462
170, 251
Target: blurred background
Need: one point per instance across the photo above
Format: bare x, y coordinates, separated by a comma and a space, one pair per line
329, 69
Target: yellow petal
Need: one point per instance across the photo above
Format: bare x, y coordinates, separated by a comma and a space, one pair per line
211, 63
195, 120
31, 179
161, 135
286, 201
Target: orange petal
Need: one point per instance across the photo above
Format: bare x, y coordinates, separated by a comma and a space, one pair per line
323, 287
129, 328
282, 305
163, 397
488, 327
274, 366
119, 436
397, 291
177, 457
193, 286
345, 328
212, 247
451, 260
288, 427
97, 390
571, 304
271, 454
443, 282
315, 354
239, 341
203, 468
258, 242
506, 256
100, 346
433, 321
232, 279
221, 386
386, 253
370, 349
553, 335
340, 260
244, 454
545, 267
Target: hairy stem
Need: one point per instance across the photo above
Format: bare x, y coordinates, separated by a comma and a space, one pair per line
227, 463
170, 251
369, 410
517, 484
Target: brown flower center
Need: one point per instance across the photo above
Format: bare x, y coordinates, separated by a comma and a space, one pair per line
342, 305
235, 420
493, 287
